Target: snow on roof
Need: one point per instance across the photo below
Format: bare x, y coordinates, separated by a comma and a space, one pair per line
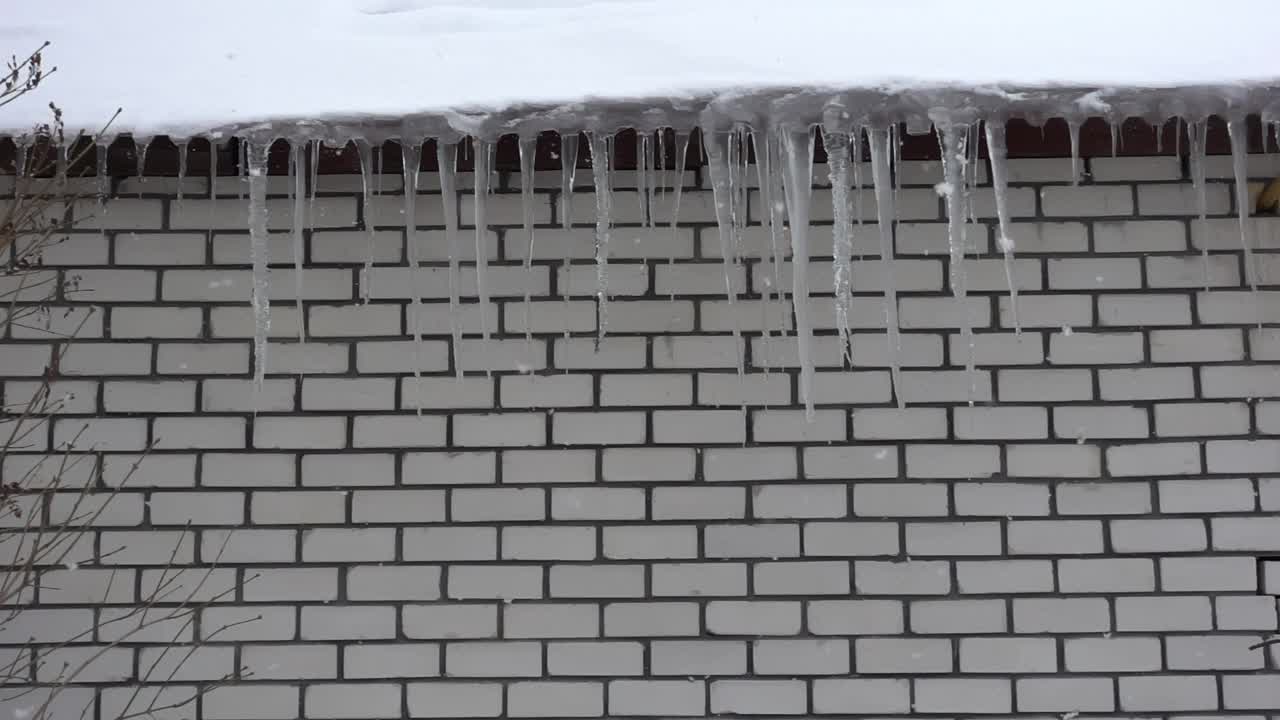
188, 68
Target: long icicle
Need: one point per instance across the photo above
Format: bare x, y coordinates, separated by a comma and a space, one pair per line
1197, 139
601, 175
447, 164
723, 190
297, 172
103, 179
1238, 134
682, 155
953, 140
766, 289
365, 154
837, 147
256, 170
797, 183
879, 142
997, 149
213, 191
773, 198
140, 149
568, 175
528, 150
314, 183
411, 156
481, 177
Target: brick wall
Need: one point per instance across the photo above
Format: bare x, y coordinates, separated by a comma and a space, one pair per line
573, 533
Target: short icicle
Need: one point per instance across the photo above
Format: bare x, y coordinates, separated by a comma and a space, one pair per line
953, 140
642, 176
723, 190
1073, 127
601, 174
140, 150
797, 150
447, 164
997, 149
528, 150
481, 179
213, 189
879, 143
103, 179
256, 171
568, 175
1197, 137
182, 166
365, 155
314, 183
297, 172
411, 155
1238, 134
837, 147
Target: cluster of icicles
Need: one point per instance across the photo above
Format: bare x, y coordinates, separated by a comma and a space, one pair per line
782, 171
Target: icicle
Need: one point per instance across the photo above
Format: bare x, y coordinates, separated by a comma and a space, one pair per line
1159, 129
182, 167
104, 180
568, 174
213, 188
797, 182
411, 157
855, 147
1198, 136
528, 150
298, 184
723, 189
1073, 127
314, 183
663, 177
773, 197
1238, 134
363, 152
837, 146
601, 162
953, 161
244, 166
682, 156
483, 161
140, 149
256, 171
971, 170
998, 152
879, 142
377, 169
642, 176
766, 292
447, 162
1115, 139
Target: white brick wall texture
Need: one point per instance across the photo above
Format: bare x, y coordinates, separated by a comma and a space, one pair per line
635, 531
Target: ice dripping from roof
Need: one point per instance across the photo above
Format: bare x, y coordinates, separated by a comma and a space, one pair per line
298, 186
365, 158
602, 177
411, 154
954, 141
568, 175
528, 147
480, 184
724, 192
182, 166
879, 141
1197, 134
257, 173
837, 147
797, 182
1239, 158
997, 152
447, 164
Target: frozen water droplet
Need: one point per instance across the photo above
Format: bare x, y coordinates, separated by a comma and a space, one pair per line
1005, 242
524, 368
882, 454
72, 565
1067, 330
944, 189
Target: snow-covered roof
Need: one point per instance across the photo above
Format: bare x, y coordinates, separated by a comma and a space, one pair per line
187, 68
